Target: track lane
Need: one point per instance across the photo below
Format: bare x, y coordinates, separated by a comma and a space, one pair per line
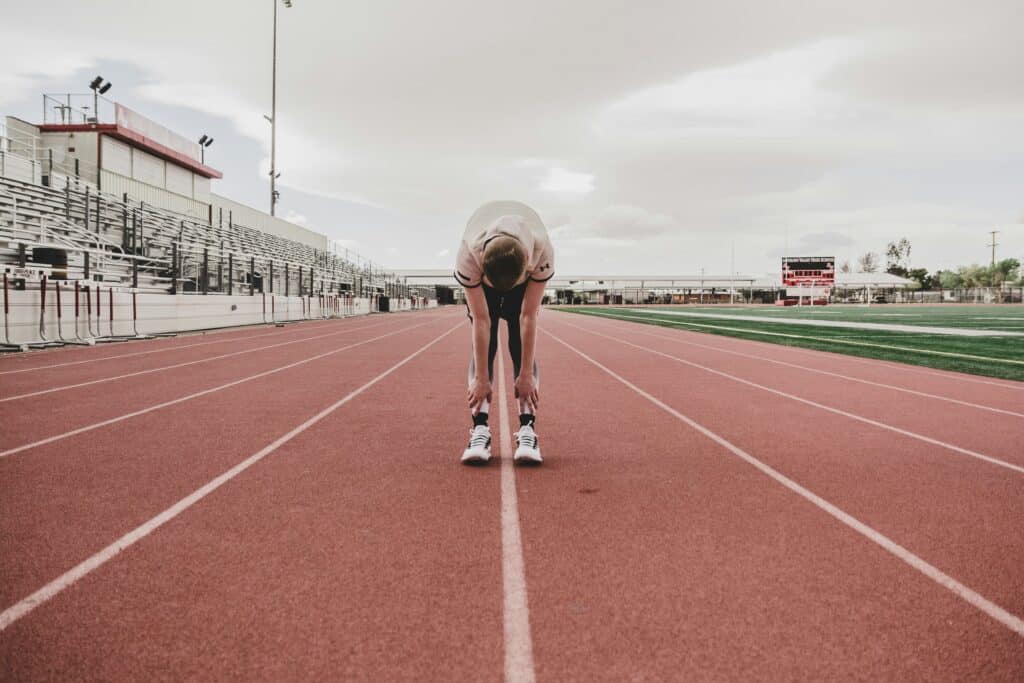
988, 390
654, 554
65, 499
25, 422
945, 385
33, 385
40, 359
962, 515
994, 434
358, 549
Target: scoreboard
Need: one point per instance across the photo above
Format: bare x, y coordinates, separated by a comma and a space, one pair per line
813, 276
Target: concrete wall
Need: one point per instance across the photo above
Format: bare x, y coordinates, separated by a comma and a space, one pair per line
253, 218
117, 184
163, 312
66, 147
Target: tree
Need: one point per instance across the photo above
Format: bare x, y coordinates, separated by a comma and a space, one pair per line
975, 275
897, 257
1005, 271
949, 279
845, 267
868, 263
923, 279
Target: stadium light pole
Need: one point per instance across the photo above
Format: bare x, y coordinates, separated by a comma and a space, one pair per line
204, 142
273, 115
99, 86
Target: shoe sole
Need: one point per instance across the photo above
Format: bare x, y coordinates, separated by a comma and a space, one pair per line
475, 459
528, 458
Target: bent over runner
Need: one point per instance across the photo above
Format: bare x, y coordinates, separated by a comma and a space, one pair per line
503, 265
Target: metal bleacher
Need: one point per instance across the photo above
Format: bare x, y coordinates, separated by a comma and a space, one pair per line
66, 229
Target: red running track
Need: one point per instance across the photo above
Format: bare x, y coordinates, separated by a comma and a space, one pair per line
298, 512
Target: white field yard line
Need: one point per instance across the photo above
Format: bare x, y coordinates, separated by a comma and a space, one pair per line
1010, 621
815, 404
844, 324
874, 362
515, 605
119, 356
26, 605
826, 339
204, 392
828, 373
186, 363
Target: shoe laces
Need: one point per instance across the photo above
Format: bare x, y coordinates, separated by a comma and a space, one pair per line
527, 437
480, 436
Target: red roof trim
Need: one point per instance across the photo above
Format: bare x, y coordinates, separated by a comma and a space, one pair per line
137, 140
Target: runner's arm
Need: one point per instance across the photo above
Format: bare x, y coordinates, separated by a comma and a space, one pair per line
480, 385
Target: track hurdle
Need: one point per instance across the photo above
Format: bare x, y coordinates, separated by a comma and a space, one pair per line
44, 342
60, 318
135, 321
7, 344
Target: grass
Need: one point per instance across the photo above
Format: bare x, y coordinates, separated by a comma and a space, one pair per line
1001, 357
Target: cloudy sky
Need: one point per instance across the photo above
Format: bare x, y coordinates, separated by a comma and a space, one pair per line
652, 136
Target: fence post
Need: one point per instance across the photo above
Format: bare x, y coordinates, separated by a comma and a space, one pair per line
206, 271
231, 268
286, 279
271, 276
124, 223
252, 276
174, 267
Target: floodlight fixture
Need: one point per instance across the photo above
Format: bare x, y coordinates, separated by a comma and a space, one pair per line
98, 87
204, 142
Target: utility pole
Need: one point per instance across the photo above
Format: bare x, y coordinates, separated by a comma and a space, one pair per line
994, 244
273, 119
273, 115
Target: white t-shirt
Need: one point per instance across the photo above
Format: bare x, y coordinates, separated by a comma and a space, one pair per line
504, 218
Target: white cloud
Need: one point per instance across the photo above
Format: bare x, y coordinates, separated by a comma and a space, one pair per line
777, 89
560, 180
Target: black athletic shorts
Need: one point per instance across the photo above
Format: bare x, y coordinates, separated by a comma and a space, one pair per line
503, 305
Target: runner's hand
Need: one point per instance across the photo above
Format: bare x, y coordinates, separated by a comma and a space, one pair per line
526, 390
479, 390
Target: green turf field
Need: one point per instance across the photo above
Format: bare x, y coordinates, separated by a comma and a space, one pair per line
994, 356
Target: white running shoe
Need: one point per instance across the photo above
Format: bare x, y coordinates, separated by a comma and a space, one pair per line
479, 449
529, 448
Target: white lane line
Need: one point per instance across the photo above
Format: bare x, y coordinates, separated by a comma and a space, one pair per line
815, 404
873, 362
119, 356
126, 375
516, 612
850, 342
26, 605
198, 394
858, 325
937, 397
1010, 621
